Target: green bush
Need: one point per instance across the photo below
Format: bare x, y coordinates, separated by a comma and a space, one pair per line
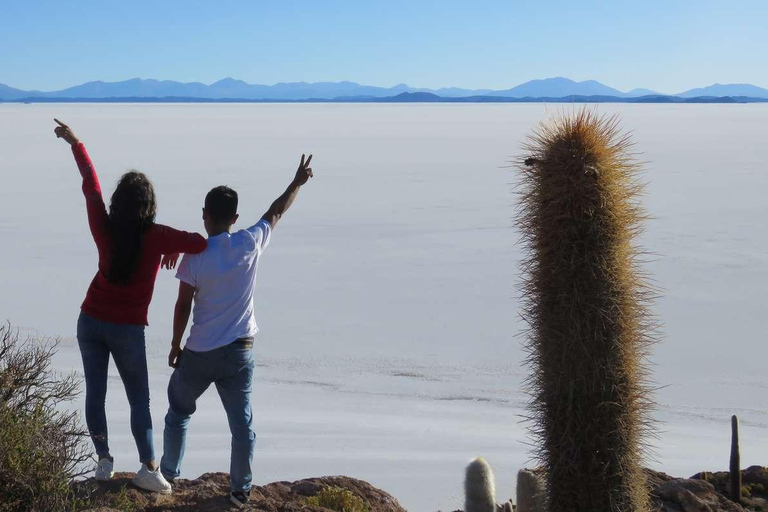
41, 448
121, 501
341, 500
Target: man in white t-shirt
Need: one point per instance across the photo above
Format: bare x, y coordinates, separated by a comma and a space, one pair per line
221, 280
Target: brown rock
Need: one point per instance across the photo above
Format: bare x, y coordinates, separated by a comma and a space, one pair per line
754, 482
670, 494
210, 492
687, 495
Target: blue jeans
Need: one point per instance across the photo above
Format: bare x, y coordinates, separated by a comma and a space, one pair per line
125, 342
231, 369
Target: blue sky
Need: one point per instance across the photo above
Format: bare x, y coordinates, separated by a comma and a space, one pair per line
668, 46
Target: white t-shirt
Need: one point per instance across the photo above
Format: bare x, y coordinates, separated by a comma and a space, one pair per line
224, 277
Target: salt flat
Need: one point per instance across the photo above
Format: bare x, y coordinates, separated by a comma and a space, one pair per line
388, 300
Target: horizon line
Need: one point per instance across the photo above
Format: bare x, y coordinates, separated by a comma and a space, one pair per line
405, 97
380, 86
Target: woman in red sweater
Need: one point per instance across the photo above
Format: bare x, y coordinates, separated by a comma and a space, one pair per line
114, 314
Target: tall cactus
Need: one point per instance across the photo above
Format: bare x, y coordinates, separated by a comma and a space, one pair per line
735, 465
585, 302
479, 487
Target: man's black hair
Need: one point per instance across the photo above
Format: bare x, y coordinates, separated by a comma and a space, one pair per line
221, 203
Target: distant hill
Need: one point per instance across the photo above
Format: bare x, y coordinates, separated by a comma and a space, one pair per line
238, 90
226, 88
558, 87
421, 97
718, 90
9, 93
456, 92
636, 93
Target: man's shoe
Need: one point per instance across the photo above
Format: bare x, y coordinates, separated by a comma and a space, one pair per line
105, 469
151, 480
238, 499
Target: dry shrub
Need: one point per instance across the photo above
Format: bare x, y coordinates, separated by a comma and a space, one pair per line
41, 448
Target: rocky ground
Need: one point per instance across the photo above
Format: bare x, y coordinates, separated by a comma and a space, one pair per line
671, 494
754, 488
210, 493
704, 492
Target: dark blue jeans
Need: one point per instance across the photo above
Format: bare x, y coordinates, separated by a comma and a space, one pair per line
125, 342
231, 369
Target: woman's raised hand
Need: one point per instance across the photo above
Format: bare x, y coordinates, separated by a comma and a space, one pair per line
169, 261
65, 132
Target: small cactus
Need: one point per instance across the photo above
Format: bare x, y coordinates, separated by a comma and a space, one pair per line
531, 492
479, 487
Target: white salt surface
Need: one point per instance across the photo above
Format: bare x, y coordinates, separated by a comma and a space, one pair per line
388, 299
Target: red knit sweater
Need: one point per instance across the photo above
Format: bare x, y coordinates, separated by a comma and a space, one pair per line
125, 304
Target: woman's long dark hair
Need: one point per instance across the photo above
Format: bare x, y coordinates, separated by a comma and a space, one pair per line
131, 212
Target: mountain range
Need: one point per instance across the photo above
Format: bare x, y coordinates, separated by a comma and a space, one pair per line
230, 88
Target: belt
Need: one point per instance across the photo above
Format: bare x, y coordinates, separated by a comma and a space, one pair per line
246, 342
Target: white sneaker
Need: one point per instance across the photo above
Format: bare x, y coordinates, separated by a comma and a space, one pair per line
151, 480
105, 469
239, 499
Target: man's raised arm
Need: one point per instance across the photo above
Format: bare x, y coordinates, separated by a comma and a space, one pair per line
282, 203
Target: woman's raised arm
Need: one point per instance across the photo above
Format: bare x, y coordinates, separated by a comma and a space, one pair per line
94, 202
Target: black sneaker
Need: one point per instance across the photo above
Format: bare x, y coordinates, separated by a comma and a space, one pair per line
238, 499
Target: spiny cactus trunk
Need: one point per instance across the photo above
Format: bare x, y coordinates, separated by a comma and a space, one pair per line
585, 303
479, 487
